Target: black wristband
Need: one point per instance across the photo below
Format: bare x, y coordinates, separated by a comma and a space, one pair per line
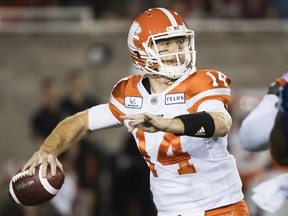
199, 124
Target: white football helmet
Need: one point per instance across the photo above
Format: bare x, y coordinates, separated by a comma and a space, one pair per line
159, 24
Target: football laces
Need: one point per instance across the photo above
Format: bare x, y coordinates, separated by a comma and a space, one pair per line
21, 175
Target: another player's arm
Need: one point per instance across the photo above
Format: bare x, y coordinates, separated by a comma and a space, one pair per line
279, 142
264, 114
216, 124
66, 132
279, 133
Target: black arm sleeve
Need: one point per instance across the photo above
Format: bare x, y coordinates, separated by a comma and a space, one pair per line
199, 124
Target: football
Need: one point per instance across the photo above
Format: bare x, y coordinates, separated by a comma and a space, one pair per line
34, 190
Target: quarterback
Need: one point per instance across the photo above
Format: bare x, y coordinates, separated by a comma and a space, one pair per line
178, 116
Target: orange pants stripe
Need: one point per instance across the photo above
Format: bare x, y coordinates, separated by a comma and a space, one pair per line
236, 209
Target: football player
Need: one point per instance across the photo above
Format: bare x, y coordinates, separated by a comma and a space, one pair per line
178, 116
279, 133
272, 114
264, 114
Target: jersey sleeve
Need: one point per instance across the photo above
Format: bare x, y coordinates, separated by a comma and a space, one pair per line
252, 136
212, 106
208, 85
100, 117
124, 89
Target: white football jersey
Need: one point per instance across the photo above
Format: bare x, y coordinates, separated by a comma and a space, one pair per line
188, 174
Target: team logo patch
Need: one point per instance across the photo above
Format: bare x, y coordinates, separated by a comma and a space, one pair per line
133, 102
176, 98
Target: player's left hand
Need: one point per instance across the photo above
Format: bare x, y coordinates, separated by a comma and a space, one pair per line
147, 122
153, 123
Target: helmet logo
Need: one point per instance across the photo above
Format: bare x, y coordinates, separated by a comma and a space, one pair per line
135, 30
175, 28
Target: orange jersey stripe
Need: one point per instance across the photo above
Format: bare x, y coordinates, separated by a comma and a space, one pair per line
125, 87
200, 82
116, 112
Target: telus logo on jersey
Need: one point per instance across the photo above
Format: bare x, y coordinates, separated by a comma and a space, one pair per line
176, 98
133, 102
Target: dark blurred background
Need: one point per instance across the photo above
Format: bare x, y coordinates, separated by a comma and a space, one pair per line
59, 57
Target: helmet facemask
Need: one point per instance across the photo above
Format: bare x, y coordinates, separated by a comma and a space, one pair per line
170, 64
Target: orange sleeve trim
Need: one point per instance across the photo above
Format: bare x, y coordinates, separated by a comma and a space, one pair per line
116, 112
126, 87
119, 91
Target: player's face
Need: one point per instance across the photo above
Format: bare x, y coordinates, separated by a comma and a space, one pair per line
169, 49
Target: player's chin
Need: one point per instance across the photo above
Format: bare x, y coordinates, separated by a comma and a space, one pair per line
170, 62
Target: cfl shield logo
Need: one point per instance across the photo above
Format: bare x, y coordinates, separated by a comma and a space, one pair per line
154, 100
135, 30
133, 102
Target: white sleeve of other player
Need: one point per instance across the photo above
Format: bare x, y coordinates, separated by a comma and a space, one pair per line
100, 117
256, 127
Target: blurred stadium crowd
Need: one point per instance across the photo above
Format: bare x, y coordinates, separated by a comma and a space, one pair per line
251, 9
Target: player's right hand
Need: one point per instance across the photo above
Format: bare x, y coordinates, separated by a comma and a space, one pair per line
275, 86
44, 158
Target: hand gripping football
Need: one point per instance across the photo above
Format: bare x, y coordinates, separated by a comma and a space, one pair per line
34, 190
